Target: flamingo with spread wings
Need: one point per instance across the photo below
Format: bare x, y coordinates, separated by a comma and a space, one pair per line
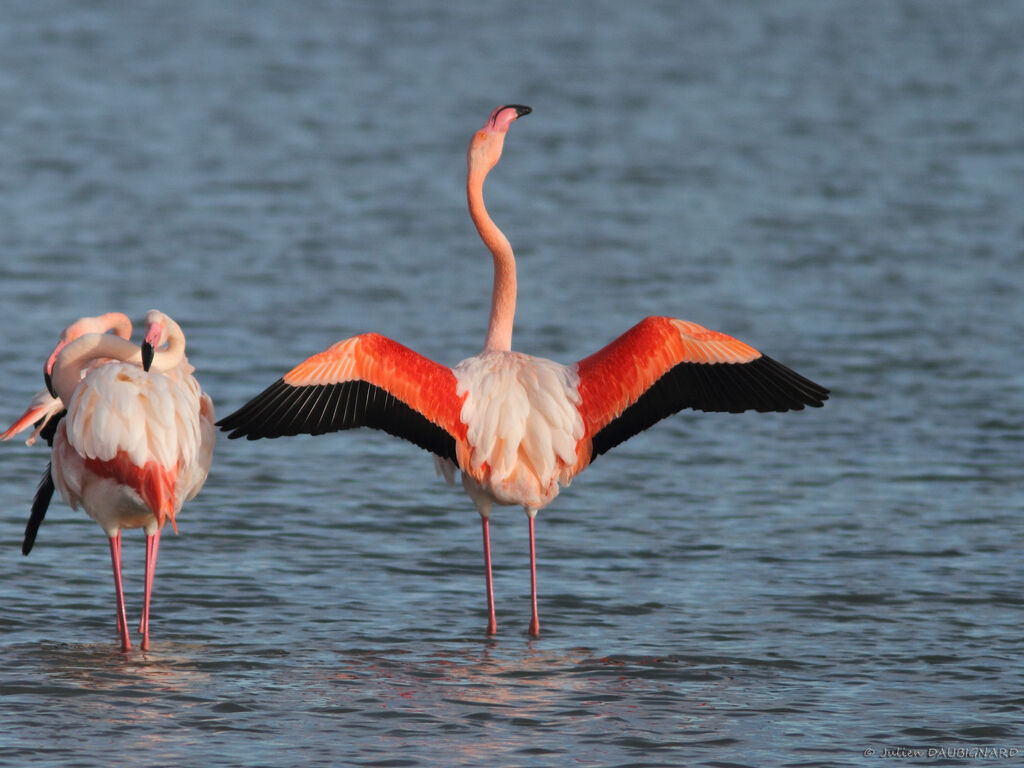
137, 440
46, 410
519, 427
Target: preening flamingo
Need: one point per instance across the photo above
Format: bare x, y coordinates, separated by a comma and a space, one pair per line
519, 426
137, 440
46, 410
45, 405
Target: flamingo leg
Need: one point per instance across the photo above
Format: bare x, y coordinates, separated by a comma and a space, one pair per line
152, 546
122, 617
535, 620
492, 623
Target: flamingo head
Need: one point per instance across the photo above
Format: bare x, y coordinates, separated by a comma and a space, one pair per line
156, 335
486, 145
111, 321
502, 117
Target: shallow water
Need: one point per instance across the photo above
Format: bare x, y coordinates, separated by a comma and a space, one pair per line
836, 184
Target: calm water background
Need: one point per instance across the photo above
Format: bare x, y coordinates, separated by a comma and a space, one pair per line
838, 184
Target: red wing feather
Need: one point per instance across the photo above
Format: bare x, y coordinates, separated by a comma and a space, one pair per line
154, 483
662, 365
364, 381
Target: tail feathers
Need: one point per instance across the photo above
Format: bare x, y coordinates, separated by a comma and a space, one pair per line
158, 492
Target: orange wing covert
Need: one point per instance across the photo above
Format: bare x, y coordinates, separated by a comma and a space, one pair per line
365, 381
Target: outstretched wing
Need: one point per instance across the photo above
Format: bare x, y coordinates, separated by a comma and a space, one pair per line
663, 365
365, 381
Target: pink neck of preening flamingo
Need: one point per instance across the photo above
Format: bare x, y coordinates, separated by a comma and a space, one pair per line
160, 329
503, 297
116, 322
111, 321
67, 369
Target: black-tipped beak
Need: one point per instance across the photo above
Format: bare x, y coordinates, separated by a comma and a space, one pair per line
49, 384
147, 355
520, 109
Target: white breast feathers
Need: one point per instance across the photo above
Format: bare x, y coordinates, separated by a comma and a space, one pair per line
523, 425
118, 407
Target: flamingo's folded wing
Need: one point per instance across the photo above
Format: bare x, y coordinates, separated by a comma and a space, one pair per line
40, 412
364, 381
663, 365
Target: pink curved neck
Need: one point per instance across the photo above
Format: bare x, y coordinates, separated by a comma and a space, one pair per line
67, 370
503, 296
72, 359
174, 354
116, 322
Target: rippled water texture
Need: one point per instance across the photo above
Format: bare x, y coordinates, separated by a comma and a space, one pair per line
837, 184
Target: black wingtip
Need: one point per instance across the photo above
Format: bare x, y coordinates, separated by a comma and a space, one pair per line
764, 385
40, 504
283, 410
247, 419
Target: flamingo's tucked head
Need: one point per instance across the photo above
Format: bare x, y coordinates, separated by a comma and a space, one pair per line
156, 335
111, 321
485, 147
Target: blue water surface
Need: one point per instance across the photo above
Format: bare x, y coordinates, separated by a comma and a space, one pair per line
838, 184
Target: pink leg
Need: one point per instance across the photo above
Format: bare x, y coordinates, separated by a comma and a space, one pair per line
122, 618
535, 620
492, 623
152, 545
